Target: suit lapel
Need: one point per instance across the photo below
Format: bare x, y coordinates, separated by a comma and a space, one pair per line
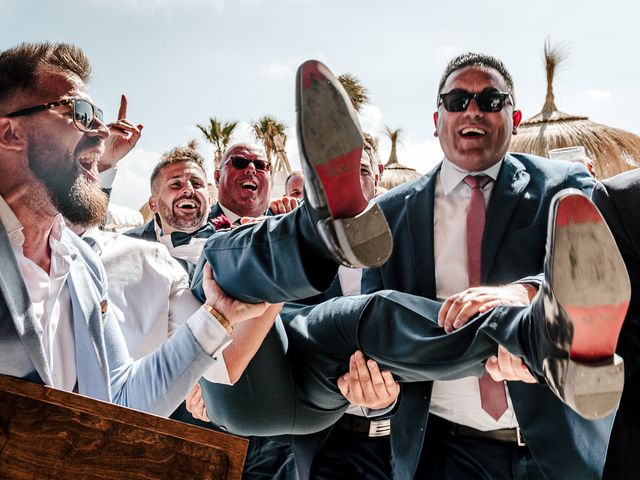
419, 208
91, 360
18, 302
511, 183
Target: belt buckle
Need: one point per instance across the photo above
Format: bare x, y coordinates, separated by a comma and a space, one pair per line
380, 428
520, 438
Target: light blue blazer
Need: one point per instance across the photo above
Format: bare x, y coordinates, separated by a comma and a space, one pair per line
156, 383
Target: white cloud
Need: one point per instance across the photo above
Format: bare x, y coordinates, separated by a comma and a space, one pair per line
277, 71
598, 95
131, 187
371, 119
421, 155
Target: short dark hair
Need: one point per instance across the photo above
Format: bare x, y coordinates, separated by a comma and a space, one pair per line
176, 155
295, 173
20, 66
471, 59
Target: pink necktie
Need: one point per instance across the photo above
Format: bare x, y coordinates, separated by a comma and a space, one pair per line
493, 397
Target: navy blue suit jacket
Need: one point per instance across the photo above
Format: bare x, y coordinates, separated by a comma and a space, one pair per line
563, 444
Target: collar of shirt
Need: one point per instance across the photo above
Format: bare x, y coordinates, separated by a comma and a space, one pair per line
15, 230
233, 217
11, 224
99, 238
451, 175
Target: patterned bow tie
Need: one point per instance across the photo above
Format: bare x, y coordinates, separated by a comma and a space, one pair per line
182, 238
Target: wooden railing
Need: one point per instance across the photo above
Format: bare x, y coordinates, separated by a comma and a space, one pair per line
50, 434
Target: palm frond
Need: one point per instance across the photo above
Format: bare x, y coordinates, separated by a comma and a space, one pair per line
358, 94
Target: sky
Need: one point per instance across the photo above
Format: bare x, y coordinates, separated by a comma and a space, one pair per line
182, 61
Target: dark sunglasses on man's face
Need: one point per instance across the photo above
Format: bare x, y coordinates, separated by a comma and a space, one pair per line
487, 100
241, 163
84, 112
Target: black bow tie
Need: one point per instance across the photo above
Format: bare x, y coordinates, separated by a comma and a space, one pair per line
182, 238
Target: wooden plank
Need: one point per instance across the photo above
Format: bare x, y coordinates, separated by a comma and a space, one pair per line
50, 434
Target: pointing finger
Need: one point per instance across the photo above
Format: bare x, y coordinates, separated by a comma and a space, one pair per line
122, 112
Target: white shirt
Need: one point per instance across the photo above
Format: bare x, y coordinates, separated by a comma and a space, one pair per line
189, 252
231, 216
458, 400
150, 297
49, 297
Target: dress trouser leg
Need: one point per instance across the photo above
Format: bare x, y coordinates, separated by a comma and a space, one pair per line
279, 259
297, 392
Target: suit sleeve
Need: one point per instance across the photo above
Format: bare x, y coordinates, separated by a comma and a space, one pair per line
614, 212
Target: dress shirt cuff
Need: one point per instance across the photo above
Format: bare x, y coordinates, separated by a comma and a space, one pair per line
108, 177
378, 412
218, 373
208, 332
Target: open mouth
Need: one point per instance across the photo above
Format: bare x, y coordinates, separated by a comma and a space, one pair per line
249, 185
472, 132
187, 205
88, 164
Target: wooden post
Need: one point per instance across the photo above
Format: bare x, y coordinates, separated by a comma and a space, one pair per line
50, 434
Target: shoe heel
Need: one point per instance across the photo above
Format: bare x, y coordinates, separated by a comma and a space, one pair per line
364, 240
593, 390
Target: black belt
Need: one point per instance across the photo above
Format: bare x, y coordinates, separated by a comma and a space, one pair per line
504, 435
364, 426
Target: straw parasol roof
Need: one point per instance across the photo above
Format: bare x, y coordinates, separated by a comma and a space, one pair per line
395, 173
613, 150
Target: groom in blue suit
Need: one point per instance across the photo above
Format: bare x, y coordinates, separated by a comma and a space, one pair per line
441, 429
55, 326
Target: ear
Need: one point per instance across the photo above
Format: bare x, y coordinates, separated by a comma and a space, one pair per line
11, 137
435, 122
517, 118
153, 203
216, 176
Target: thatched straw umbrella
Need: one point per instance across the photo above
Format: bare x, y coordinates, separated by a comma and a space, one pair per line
612, 150
394, 172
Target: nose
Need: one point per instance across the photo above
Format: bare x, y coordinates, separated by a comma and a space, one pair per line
251, 167
473, 110
189, 188
98, 129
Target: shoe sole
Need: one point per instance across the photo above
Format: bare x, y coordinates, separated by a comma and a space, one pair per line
334, 157
357, 233
591, 285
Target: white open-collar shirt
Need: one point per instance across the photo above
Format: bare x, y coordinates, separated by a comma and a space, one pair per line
49, 296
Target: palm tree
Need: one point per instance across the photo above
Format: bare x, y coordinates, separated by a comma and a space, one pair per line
358, 94
219, 134
270, 132
394, 136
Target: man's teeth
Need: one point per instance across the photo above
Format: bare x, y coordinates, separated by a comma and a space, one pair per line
186, 204
472, 131
249, 185
88, 160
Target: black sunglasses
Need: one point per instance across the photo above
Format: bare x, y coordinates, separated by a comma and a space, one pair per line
84, 112
241, 163
487, 100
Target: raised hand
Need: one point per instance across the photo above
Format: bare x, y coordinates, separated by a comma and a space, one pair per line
123, 137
